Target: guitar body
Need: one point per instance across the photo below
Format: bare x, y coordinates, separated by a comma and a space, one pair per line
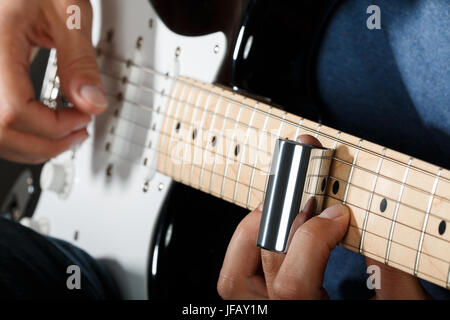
112, 205
111, 217
162, 239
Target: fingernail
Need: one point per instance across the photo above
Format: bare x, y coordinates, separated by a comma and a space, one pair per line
261, 206
334, 212
78, 141
82, 125
309, 206
94, 95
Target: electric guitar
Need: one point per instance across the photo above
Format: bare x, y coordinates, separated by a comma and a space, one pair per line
168, 122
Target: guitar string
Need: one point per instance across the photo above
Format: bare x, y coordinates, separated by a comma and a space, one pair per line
250, 147
355, 227
416, 169
356, 249
331, 177
167, 75
268, 133
152, 90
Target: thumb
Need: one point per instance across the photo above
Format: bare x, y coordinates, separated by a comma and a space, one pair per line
77, 65
302, 271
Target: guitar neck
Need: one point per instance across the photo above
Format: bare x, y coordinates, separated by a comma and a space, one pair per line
220, 142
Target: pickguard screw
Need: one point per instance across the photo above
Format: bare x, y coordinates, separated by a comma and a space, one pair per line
139, 43
109, 170
150, 23
161, 186
216, 49
146, 186
109, 35
177, 52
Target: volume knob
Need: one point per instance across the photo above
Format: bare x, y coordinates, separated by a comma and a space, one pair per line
56, 177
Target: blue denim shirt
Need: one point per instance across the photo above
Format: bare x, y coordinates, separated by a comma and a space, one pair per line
390, 86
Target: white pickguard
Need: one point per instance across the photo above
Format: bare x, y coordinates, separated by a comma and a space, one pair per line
112, 218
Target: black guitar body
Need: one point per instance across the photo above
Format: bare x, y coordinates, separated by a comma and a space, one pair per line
194, 229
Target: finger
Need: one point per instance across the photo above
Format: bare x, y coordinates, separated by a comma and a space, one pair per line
308, 139
37, 119
77, 65
301, 274
239, 277
396, 284
18, 110
32, 149
271, 261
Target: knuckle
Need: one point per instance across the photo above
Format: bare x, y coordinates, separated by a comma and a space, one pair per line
286, 288
312, 236
9, 117
226, 287
81, 63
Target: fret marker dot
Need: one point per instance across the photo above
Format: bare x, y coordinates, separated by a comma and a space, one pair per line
236, 150
442, 227
194, 134
324, 183
336, 187
178, 126
383, 205
213, 141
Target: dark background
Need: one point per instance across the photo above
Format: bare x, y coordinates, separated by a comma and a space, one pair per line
9, 172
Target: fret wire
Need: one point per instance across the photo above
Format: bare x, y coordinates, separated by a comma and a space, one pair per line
351, 172
338, 135
171, 138
328, 195
230, 148
333, 158
194, 114
425, 222
252, 178
318, 130
348, 144
147, 69
215, 155
201, 125
397, 205
279, 133
298, 127
213, 122
183, 106
252, 117
166, 124
369, 203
